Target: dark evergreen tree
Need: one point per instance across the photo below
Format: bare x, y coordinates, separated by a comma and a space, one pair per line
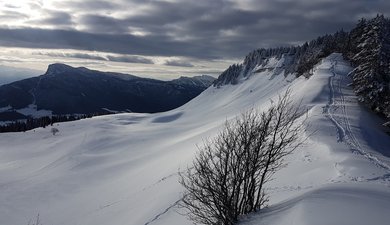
370, 53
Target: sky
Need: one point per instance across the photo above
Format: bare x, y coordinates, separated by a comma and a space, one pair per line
165, 39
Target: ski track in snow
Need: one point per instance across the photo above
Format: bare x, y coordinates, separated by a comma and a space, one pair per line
345, 133
112, 203
331, 106
159, 181
163, 212
34, 90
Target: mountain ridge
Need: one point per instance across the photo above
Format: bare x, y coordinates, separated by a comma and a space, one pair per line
64, 89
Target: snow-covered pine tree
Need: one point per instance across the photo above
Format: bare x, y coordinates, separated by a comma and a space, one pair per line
371, 58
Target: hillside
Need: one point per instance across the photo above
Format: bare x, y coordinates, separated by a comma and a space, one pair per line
366, 46
122, 169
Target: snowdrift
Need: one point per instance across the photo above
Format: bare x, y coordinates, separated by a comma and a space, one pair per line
122, 169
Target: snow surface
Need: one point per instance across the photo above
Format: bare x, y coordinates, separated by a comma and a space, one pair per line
122, 169
31, 110
4, 109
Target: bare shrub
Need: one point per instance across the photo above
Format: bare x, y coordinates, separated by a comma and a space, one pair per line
54, 130
228, 174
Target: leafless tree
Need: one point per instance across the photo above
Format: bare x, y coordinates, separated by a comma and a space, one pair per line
54, 130
229, 173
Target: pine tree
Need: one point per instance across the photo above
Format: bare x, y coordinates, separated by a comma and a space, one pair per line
371, 76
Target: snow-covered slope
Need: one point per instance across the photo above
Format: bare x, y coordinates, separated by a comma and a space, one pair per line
122, 169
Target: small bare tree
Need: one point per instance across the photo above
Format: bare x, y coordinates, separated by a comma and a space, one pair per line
228, 175
54, 130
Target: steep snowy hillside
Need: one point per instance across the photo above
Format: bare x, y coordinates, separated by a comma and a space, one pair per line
122, 169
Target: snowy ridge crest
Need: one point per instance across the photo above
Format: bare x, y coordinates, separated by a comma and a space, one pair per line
298, 60
284, 60
366, 47
255, 62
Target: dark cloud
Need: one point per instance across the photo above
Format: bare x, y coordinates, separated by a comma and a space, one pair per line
84, 56
57, 18
199, 29
129, 59
103, 24
152, 45
178, 63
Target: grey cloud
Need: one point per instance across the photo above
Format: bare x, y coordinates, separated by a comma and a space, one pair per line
200, 29
10, 60
263, 24
112, 58
162, 13
11, 6
12, 15
56, 18
129, 59
90, 5
124, 44
85, 56
71, 55
178, 63
103, 24
226, 20
36, 5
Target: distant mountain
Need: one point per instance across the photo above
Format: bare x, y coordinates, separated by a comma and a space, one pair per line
67, 90
367, 47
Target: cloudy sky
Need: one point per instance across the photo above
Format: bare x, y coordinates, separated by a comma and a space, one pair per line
164, 38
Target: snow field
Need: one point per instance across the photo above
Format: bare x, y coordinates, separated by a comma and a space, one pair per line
122, 169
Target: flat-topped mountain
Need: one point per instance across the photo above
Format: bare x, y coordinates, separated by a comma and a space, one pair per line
68, 90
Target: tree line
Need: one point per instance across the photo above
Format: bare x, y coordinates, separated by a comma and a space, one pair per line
32, 123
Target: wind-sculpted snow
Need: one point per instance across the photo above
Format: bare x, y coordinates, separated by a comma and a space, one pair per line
122, 169
331, 204
168, 118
